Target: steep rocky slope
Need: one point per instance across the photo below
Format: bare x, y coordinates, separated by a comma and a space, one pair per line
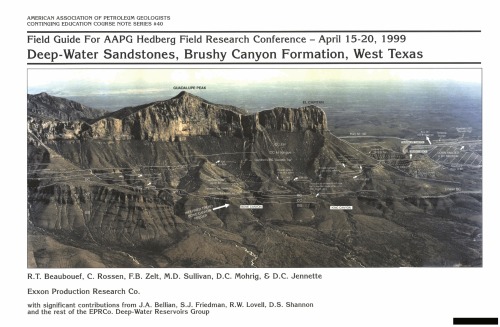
44, 105
185, 182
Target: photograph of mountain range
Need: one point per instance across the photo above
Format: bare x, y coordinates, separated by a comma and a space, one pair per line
254, 168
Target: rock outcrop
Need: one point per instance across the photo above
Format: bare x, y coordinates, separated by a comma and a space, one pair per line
182, 116
46, 106
188, 183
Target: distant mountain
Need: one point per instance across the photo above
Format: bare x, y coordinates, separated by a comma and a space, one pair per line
188, 183
44, 105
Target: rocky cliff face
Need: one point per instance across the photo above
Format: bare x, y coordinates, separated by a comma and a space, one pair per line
138, 188
50, 129
182, 116
292, 120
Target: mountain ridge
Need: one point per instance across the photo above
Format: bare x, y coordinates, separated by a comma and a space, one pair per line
187, 115
140, 189
47, 106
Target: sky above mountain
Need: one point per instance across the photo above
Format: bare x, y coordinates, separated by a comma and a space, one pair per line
78, 82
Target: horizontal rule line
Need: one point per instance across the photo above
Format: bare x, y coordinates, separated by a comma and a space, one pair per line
334, 31
263, 63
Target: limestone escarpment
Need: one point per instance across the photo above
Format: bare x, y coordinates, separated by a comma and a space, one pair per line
182, 116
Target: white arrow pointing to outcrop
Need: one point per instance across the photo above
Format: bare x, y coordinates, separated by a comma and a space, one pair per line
224, 206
